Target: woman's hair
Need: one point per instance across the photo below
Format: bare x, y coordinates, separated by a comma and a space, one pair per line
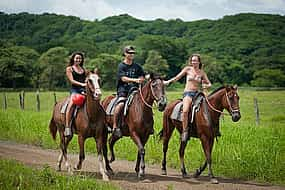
199, 58
71, 61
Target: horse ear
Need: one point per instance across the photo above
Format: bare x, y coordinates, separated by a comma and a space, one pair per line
147, 76
96, 71
235, 87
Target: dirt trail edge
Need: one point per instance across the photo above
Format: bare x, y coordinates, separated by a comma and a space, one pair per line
125, 176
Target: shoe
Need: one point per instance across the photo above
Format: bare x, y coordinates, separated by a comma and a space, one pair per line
67, 132
184, 136
117, 133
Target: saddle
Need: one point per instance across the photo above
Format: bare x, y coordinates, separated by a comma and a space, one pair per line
195, 107
110, 108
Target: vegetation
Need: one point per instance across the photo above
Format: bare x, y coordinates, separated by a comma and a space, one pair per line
245, 151
246, 49
14, 175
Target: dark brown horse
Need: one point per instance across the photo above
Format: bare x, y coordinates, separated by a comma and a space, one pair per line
89, 122
206, 125
139, 119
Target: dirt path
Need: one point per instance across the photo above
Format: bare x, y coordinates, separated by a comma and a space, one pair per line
125, 176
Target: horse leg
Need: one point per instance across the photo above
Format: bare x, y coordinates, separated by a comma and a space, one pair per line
64, 143
99, 146
112, 142
167, 132
81, 141
105, 153
200, 170
207, 144
141, 153
181, 155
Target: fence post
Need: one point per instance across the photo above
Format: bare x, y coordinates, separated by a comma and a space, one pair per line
20, 98
4, 101
38, 101
256, 109
54, 95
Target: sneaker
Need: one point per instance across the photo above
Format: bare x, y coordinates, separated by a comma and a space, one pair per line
67, 132
117, 133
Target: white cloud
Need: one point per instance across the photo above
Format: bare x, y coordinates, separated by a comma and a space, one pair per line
187, 10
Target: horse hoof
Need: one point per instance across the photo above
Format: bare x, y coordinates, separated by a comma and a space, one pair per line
163, 172
110, 172
214, 181
106, 178
184, 175
141, 177
112, 159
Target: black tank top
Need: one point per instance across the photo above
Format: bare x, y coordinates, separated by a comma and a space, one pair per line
78, 77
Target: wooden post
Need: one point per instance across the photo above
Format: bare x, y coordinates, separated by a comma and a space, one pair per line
4, 101
23, 99
38, 100
256, 109
20, 98
54, 95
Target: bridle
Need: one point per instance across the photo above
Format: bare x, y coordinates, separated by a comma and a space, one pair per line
152, 93
229, 104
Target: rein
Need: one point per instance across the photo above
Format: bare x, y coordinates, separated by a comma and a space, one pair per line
140, 89
216, 110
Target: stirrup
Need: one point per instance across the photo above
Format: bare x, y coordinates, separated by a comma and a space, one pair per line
67, 132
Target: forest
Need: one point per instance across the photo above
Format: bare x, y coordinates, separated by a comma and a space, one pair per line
245, 49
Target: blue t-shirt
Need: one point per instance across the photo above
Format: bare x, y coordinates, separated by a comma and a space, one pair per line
132, 71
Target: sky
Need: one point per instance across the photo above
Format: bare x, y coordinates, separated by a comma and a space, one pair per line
186, 10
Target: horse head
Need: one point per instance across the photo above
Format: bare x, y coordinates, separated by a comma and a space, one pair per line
231, 102
158, 91
93, 87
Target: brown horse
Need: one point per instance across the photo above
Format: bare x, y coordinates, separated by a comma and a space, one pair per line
139, 119
89, 122
206, 125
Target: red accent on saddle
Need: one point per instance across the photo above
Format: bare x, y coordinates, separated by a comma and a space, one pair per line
78, 99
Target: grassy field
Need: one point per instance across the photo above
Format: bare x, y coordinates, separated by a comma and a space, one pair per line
14, 175
245, 150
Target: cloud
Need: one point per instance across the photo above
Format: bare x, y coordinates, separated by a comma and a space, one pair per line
187, 10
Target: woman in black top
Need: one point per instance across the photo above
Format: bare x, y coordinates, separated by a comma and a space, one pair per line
76, 75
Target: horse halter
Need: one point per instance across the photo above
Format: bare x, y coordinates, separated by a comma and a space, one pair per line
229, 104
152, 93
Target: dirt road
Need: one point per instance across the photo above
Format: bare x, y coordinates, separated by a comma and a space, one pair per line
124, 176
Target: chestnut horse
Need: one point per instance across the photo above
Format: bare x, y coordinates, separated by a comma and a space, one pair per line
205, 125
139, 119
89, 122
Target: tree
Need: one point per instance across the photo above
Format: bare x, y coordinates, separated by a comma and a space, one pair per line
155, 63
53, 64
268, 78
107, 65
17, 66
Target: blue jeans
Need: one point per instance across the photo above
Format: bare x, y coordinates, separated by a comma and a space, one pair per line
190, 94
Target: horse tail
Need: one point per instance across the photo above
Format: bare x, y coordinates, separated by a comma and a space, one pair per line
52, 128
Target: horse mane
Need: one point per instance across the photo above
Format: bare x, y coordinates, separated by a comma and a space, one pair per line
216, 90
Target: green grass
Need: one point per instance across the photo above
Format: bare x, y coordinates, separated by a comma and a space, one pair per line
245, 151
14, 175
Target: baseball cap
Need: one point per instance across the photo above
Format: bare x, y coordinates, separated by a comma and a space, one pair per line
129, 49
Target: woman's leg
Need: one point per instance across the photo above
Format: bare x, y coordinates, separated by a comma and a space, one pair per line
68, 117
185, 117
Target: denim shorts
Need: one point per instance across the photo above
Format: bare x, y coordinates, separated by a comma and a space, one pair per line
190, 94
77, 90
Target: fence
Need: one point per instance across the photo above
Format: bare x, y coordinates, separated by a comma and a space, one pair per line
255, 105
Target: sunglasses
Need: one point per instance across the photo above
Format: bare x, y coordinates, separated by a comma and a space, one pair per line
130, 52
